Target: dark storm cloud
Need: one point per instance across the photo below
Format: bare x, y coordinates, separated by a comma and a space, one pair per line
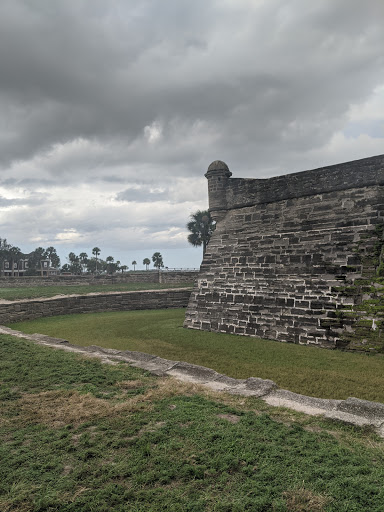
72, 69
274, 73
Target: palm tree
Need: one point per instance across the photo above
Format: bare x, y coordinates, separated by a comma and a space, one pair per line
73, 258
51, 254
157, 260
146, 262
111, 266
123, 267
201, 227
35, 258
91, 265
83, 259
74, 263
134, 263
96, 252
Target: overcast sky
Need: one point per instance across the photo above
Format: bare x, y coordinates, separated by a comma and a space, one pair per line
112, 110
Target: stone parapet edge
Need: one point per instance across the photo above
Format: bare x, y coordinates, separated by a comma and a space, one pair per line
353, 411
57, 298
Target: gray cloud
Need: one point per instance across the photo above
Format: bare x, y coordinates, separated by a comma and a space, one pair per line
140, 195
4, 202
32, 200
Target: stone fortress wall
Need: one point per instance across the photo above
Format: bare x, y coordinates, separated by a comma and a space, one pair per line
281, 249
145, 276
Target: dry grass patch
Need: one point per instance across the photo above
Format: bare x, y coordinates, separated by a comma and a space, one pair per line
168, 387
151, 427
58, 408
304, 500
232, 418
129, 384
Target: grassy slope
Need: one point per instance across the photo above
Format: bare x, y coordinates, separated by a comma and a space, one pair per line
34, 292
80, 436
306, 370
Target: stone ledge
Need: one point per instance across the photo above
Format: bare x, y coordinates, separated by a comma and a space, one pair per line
352, 411
119, 294
372, 410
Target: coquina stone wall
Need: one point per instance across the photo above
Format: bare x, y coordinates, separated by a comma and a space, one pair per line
150, 276
113, 301
178, 277
283, 250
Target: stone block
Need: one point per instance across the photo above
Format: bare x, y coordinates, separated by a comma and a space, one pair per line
364, 408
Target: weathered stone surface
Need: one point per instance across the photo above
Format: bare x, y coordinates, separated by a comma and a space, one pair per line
364, 408
134, 356
157, 365
49, 339
151, 276
281, 248
262, 386
282, 397
121, 301
193, 372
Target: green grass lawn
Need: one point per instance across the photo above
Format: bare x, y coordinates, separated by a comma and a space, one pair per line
306, 370
35, 292
80, 436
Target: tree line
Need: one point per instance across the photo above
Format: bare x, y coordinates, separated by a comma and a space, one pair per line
77, 264
82, 263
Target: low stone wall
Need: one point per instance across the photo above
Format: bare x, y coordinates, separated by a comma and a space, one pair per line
113, 301
149, 276
177, 277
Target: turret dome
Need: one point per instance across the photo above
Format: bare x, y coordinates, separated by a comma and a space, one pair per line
218, 165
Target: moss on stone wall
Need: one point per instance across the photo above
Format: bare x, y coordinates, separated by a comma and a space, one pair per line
363, 321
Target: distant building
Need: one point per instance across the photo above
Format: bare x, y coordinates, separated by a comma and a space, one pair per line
21, 266
46, 269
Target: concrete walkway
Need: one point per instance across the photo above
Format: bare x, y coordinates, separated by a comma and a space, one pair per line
352, 411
